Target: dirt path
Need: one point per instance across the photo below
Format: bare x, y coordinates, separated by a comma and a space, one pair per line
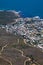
3, 57
3, 48
6, 60
22, 53
29, 59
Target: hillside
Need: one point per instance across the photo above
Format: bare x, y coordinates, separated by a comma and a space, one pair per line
8, 16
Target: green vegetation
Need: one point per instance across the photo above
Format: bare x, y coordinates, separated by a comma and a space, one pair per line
23, 46
27, 63
14, 45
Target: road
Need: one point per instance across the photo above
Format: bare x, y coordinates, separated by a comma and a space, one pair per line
3, 57
29, 59
22, 54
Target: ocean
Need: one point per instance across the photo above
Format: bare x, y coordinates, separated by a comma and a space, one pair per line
28, 8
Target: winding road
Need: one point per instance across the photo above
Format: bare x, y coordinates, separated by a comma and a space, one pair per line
3, 57
22, 53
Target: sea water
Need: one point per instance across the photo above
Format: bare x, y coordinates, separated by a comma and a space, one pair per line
29, 8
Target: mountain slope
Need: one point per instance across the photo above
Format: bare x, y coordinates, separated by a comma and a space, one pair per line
8, 16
